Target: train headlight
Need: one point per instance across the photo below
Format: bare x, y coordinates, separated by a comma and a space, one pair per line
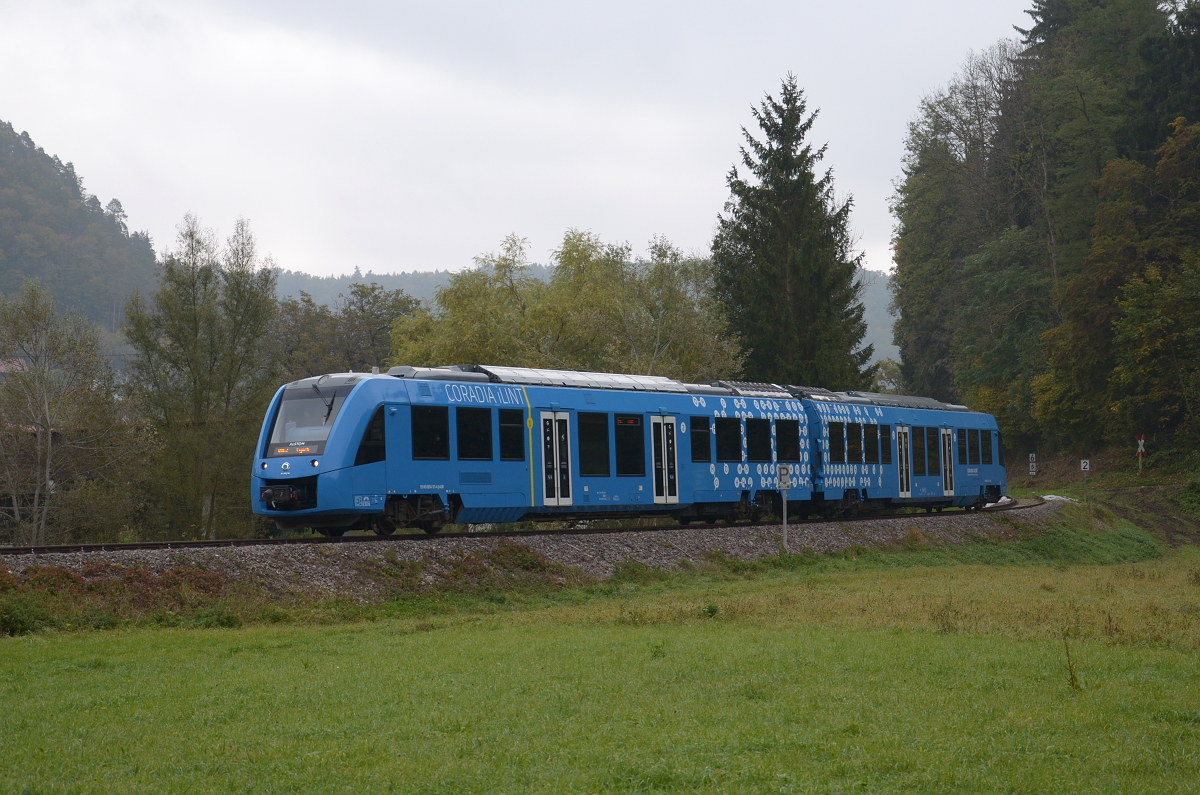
264, 464
315, 462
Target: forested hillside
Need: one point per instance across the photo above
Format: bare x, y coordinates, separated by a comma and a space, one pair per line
1048, 244
53, 231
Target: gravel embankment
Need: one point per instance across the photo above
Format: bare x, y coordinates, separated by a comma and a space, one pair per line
346, 569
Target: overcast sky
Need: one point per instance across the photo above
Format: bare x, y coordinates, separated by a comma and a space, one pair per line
412, 136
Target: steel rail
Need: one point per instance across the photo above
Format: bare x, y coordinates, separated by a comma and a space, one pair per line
49, 549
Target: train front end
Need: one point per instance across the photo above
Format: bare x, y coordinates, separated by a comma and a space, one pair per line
304, 471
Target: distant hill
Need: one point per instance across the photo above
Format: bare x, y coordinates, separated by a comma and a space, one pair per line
876, 297
52, 230
325, 289
424, 284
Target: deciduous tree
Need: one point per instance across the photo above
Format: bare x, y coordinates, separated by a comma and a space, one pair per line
204, 369
61, 425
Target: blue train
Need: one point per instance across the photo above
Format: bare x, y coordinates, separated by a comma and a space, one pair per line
423, 447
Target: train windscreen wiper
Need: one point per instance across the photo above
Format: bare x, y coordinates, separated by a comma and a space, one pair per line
327, 403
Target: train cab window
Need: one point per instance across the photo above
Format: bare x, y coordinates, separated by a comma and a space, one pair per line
430, 433
474, 434
512, 435
303, 420
854, 443
631, 445
933, 448
758, 440
729, 439
885, 444
837, 442
373, 447
593, 445
985, 448
871, 443
918, 451
962, 446
973, 447
787, 440
701, 443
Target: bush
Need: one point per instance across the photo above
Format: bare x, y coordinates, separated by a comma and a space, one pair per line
1189, 500
20, 617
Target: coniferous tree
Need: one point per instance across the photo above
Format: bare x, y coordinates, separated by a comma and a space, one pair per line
784, 265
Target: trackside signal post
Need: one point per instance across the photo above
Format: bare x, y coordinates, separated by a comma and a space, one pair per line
1085, 466
784, 482
1141, 451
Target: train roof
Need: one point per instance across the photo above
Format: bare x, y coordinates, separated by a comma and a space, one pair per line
534, 376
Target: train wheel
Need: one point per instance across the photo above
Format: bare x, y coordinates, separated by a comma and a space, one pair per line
331, 532
431, 528
384, 527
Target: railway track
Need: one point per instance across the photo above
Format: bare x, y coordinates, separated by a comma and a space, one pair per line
46, 549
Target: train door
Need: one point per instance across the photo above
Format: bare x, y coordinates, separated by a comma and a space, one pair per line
904, 459
556, 458
948, 462
666, 475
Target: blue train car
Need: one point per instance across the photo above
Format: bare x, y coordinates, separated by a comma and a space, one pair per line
469, 444
878, 451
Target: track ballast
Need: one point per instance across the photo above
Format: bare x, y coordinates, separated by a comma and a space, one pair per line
46, 549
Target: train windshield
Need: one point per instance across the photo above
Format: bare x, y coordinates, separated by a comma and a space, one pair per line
304, 418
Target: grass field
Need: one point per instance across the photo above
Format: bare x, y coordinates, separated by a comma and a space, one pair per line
917, 670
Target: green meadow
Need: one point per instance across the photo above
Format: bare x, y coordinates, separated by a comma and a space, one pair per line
1066, 662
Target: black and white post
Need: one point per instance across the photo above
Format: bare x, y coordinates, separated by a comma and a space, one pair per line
784, 479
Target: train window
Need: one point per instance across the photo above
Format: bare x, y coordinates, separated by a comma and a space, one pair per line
593, 445
758, 440
512, 435
431, 433
474, 434
631, 445
787, 440
373, 447
962, 446
933, 447
871, 443
701, 443
985, 448
885, 443
973, 448
918, 451
729, 439
303, 420
837, 442
854, 443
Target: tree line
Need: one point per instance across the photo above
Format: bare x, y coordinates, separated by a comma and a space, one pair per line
1048, 238
164, 447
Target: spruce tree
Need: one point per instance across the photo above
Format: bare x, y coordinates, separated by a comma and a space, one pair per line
784, 265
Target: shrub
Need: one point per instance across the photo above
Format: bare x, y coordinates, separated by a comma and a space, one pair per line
20, 617
1189, 500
